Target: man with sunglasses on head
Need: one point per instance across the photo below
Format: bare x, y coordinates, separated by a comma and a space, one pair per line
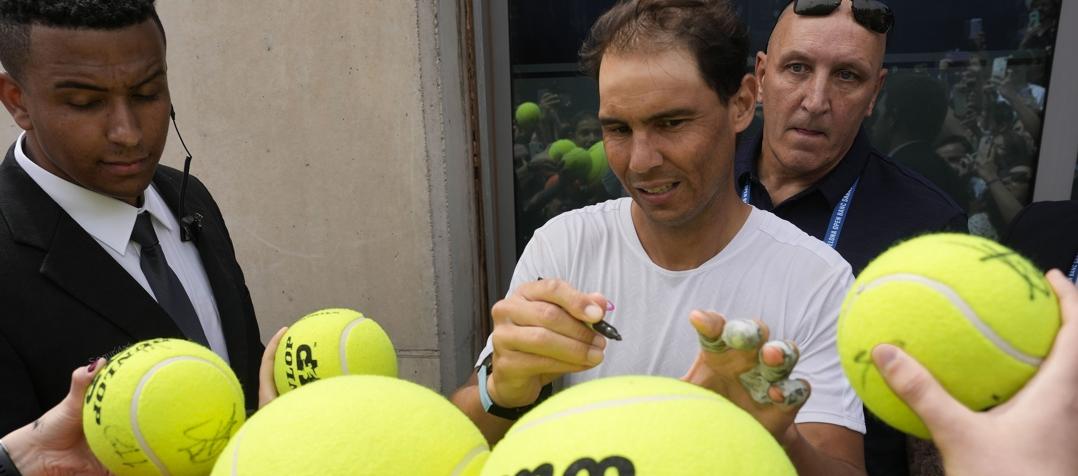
813, 164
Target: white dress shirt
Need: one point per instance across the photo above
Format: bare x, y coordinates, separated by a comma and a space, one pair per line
110, 221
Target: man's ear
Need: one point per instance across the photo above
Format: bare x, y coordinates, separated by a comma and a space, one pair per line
11, 94
761, 71
881, 80
743, 104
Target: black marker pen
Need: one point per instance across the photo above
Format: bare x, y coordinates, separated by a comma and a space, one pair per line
603, 327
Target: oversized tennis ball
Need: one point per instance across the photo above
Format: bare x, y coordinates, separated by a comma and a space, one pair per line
329, 343
558, 148
357, 425
162, 406
528, 114
599, 165
637, 425
976, 314
576, 163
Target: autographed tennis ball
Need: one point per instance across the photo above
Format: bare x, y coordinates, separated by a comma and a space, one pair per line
977, 315
329, 343
362, 425
637, 425
162, 406
528, 114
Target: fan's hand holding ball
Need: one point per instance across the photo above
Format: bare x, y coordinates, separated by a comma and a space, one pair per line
1032, 433
162, 406
737, 361
329, 343
974, 313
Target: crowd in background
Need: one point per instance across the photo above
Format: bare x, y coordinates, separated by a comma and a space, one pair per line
970, 122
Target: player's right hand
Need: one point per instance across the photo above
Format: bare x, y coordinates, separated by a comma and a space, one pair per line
540, 333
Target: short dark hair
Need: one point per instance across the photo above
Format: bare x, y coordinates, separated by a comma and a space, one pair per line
710, 29
918, 104
18, 16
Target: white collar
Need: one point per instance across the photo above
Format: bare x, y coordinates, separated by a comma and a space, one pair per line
107, 219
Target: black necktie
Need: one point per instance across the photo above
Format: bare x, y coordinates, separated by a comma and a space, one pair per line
164, 283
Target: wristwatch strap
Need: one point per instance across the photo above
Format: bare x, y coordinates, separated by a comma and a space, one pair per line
499, 411
7, 467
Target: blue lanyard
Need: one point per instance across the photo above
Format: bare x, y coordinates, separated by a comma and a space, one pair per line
838, 217
1074, 271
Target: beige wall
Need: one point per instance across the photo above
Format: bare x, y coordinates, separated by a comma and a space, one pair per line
322, 129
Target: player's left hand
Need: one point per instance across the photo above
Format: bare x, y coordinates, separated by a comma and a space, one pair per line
55, 443
737, 361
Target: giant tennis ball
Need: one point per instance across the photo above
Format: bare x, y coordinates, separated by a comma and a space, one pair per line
637, 425
599, 165
976, 314
357, 425
559, 148
329, 343
162, 406
528, 114
576, 163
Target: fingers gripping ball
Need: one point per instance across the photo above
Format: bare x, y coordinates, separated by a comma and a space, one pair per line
329, 343
637, 425
162, 406
976, 314
357, 425
528, 114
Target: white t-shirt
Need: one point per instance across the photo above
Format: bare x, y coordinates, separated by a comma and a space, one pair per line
771, 271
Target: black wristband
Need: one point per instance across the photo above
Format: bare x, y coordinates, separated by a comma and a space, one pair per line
7, 467
497, 410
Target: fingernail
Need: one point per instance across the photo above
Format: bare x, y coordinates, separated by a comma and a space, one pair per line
794, 392
594, 312
884, 354
609, 306
93, 365
595, 355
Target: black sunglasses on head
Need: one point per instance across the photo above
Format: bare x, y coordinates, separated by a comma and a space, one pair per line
871, 14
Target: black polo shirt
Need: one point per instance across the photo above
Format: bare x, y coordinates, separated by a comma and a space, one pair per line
1047, 234
891, 202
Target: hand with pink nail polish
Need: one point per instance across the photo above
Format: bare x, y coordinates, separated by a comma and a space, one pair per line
55, 444
541, 332
1035, 432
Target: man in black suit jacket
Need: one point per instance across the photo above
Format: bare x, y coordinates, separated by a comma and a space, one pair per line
87, 82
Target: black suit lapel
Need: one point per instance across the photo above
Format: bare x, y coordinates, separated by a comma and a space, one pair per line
74, 261
78, 265
211, 245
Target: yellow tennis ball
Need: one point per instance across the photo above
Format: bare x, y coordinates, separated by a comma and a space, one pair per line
528, 114
599, 164
329, 343
357, 425
577, 163
637, 425
162, 406
976, 314
559, 148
